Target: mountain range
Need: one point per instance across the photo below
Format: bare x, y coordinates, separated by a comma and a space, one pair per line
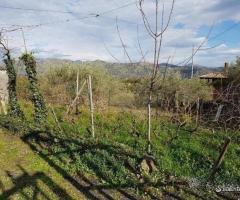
121, 70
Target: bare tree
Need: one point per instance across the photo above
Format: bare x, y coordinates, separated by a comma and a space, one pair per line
195, 50
156, 33
122, 43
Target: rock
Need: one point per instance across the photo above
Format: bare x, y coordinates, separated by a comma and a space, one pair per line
56, 140
147, 164
144, 167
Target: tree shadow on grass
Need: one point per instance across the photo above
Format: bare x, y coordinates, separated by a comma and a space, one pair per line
26, 180
105, 185
92, 189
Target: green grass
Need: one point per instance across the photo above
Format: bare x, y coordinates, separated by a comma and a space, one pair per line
24, 175
121, 142
190, 155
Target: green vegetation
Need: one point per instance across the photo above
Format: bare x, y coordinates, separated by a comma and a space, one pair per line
112, 159
121, 70
36, 97
14, 108
234, 71
189, 155
24, 175
110, 164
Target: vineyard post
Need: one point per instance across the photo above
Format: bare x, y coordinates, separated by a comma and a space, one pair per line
91, 104
77, 90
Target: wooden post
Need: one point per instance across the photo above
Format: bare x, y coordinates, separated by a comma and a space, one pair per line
176, 103
56, 119
220, 159
198, 108
91, 103
219, 111
157, 105
78, 94
149, 128
77, 90
109, 98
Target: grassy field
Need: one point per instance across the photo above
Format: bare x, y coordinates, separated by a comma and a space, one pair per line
107, 167
181, 153
25, 175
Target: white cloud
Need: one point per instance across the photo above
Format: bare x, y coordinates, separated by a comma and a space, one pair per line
84, 39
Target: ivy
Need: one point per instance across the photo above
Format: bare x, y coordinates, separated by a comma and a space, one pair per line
14, 109
40, 111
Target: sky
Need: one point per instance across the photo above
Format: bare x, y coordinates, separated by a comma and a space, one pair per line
69, 29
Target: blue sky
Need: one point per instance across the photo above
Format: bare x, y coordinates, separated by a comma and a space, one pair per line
91, 38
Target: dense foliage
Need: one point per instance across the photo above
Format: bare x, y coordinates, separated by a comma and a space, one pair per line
234, 71
14, 108
36, 97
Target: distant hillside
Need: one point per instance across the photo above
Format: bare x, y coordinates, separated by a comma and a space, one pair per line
186, 71
122, 70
